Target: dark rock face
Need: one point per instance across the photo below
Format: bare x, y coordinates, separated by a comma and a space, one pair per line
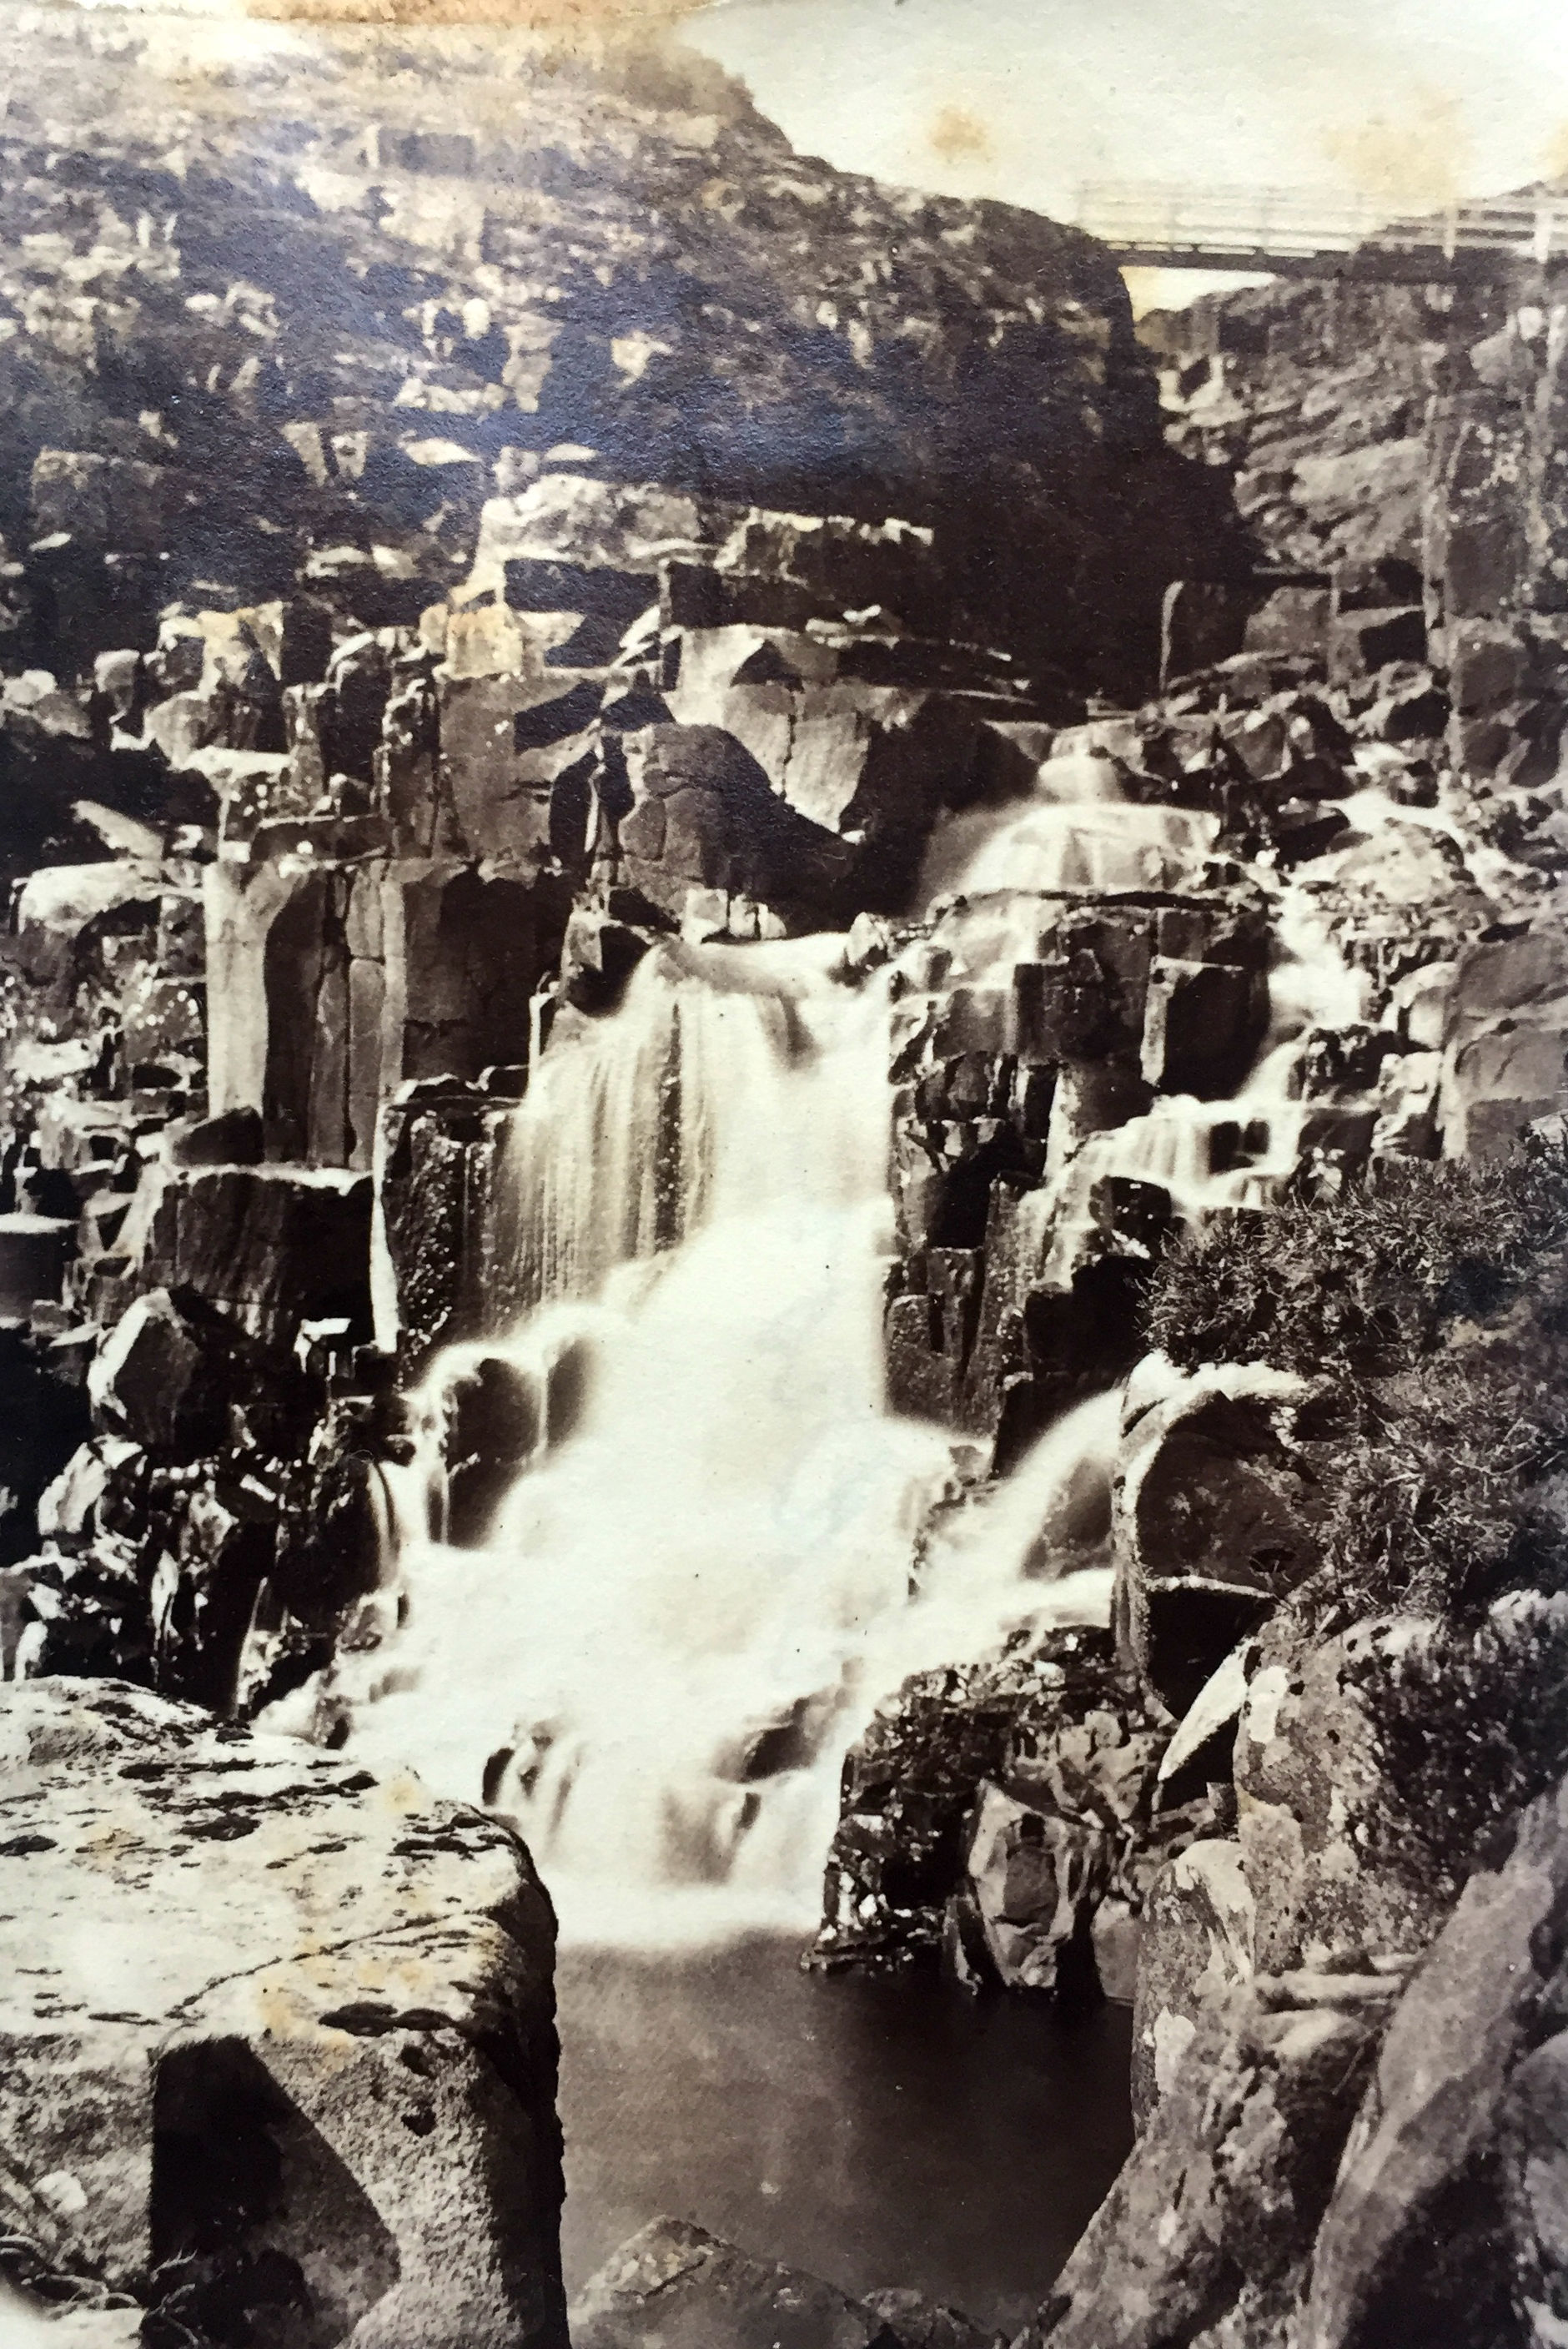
996, 1816
354, 2128
1215, 1503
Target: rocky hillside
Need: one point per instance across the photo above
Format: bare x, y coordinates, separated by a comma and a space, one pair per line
301, 349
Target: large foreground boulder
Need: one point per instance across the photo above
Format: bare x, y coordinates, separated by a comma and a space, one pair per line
277, 2044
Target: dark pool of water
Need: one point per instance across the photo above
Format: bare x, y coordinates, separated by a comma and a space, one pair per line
875, 2133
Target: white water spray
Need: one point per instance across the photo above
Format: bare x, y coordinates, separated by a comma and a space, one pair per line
683, 1612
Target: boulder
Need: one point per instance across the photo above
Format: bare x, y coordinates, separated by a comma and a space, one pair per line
1445, 2221
1213, 2214
674, 2286
1201, 1026
1291, 620
1011, 1791
1200, 621
1360, 643
236, 1138
1214, 1504
1505, 1042
1197, 1944
703, 819
1332, 1840
507, 747
1036, 1879
279, 2036
1533, 2159
152, 1380
916, 2322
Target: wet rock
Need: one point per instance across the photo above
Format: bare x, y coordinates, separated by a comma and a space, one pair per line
392, 2084
152, 1381
1213, 1513
495, 1420
1200, 621
916, 2322
703, 818
1201, 1026
271, 1246
237, 1138
674, 2287
1019, 1788
1360, 643
1294, 621
1036, 1881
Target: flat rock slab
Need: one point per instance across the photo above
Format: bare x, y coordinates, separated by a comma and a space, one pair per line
274, 2032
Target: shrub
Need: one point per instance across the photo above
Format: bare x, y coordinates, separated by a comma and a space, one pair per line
1472, 1726
1449, 1493
1366, 1282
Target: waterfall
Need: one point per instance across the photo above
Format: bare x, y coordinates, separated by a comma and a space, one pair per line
629, 1137
696, 1587
664, 1548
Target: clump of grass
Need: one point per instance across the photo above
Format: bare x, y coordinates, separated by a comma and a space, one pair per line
1365, 1283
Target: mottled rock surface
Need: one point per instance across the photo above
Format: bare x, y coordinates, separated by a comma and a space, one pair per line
279, 2036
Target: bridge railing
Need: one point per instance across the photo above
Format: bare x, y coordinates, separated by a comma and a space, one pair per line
1294, 223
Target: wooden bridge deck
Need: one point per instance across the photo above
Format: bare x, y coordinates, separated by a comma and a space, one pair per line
1295, 232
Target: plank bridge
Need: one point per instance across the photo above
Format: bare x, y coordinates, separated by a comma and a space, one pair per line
1294, 233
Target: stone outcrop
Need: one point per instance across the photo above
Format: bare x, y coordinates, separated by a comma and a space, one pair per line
280, 2044
1213, 1510
675, 2282
1004, 1817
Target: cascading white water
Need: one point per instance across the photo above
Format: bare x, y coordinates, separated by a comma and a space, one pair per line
676, 1110
683, 1612
699, 1584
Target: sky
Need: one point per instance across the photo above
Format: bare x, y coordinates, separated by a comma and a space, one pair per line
1024, 100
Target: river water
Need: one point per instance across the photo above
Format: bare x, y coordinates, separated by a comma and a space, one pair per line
873, 2132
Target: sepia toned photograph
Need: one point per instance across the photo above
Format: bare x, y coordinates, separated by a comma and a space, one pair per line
784, 1175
